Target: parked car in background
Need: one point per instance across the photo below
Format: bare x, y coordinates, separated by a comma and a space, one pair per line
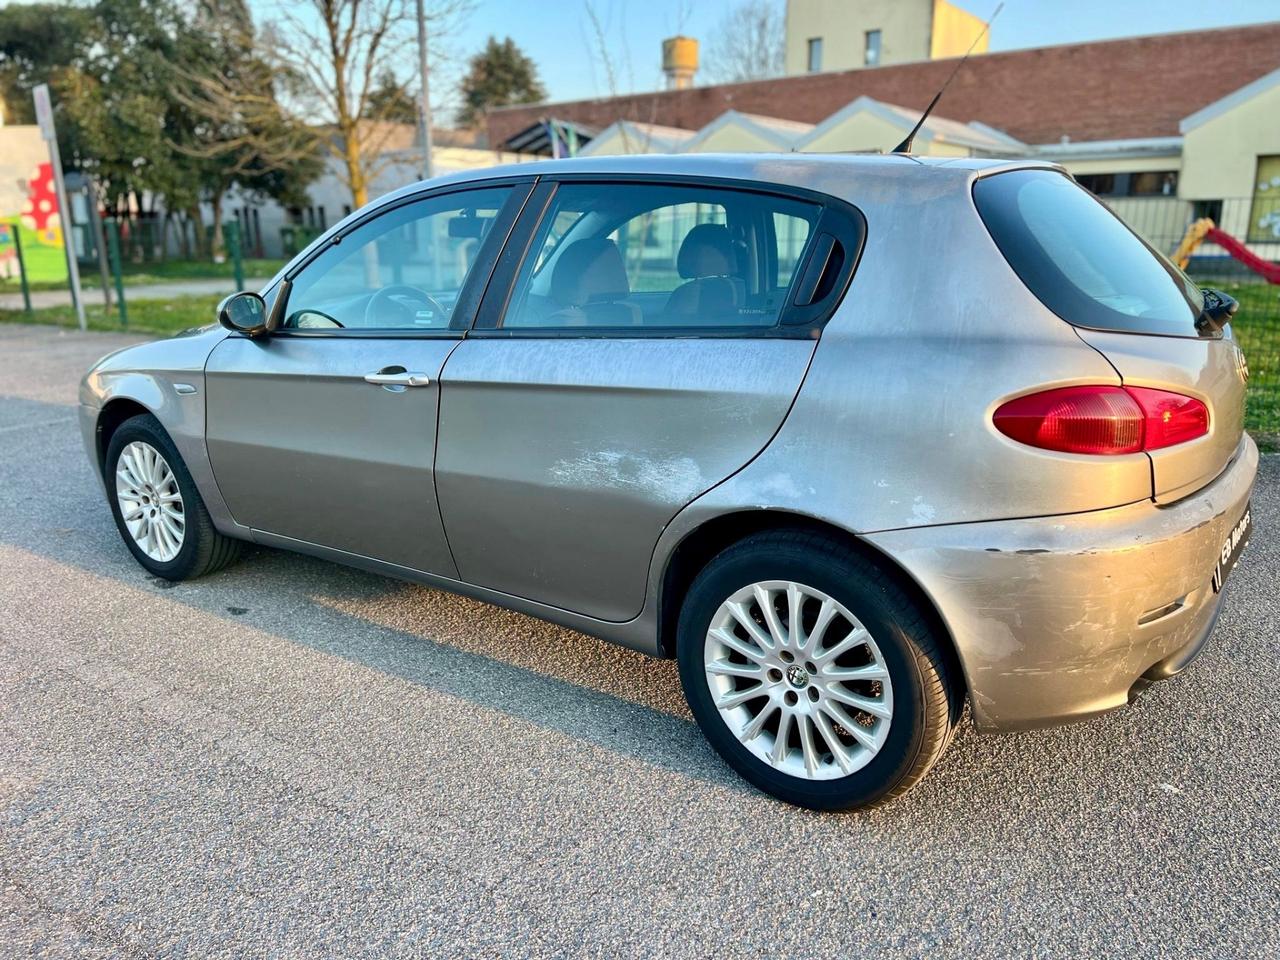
853, 438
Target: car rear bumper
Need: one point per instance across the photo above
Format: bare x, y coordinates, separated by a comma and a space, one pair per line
1057, 619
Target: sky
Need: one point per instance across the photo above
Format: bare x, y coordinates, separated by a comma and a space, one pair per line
557, 34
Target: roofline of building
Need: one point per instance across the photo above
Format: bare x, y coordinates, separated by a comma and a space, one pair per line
747, 121
1111, 149
1232, 100
926, 134
908, 63
681, 136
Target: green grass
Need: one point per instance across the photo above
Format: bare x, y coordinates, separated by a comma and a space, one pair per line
137, 274
161, 317
1257, 328
46, 265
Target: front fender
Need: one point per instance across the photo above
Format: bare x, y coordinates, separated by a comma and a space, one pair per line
165, 378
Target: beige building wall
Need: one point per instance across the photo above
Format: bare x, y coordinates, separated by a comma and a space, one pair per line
1148, 164
1220, 162
954, 30
1220, 156
624, 138
842, 25
732, 138
614, 143
865, 132
910, 30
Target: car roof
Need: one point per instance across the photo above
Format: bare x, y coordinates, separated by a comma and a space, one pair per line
874, 182
813, 170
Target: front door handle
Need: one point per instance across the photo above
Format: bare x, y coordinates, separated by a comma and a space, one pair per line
392, 377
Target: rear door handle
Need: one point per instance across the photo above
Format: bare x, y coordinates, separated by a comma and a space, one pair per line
403, 378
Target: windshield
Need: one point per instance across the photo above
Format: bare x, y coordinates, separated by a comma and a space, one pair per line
1080, 260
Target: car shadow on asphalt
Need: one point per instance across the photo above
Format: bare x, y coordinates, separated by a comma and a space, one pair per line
497, 659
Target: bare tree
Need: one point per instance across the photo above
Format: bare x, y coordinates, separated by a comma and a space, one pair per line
227, 119
748, 43
341, 51
600, 39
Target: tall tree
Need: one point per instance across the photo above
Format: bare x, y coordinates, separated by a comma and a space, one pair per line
748, 43
117, 97
238, 131
37, 42
391, 100
339, 50
500, 75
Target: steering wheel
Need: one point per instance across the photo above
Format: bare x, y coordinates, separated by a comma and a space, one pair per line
391, 295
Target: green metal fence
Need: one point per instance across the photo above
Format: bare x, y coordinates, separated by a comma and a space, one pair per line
1164, 222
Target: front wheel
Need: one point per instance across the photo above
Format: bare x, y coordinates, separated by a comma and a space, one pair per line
156, 505
813, 674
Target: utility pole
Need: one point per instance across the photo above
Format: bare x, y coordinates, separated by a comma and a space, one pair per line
424, 104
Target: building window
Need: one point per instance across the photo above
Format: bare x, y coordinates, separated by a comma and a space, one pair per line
871, 53
1162, 183
1264, 216
1099, 184
1207, 208
1157, 183
815, 54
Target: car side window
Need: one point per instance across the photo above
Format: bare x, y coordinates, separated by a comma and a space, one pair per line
402, 270
648, 255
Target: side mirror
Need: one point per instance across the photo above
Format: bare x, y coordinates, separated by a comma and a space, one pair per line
245, 313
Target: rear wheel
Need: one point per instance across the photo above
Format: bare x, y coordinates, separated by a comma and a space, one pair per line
813, 673
156, 505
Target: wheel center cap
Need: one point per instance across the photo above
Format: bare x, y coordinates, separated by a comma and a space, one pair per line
797, 676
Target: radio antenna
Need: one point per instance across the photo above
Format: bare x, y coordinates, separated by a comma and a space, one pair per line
905, 145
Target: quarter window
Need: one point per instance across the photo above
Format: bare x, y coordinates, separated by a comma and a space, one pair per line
402, 270
610, 256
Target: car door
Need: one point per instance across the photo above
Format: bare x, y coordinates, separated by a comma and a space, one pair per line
324, 431
646, 342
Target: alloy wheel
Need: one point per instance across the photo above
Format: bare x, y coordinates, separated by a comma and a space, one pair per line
798, 680
150, 501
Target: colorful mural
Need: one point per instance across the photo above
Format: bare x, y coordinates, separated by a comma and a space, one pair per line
29, 203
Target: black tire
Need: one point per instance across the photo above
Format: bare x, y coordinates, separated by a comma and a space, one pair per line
927, 697
204, 549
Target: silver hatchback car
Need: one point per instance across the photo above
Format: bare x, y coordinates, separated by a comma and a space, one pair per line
852, 438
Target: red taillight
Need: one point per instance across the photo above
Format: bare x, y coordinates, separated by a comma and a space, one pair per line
1102, 420
1170, 417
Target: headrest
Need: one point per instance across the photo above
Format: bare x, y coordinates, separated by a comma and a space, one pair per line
589, 269
707, 251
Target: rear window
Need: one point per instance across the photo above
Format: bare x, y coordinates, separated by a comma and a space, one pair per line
1080, 260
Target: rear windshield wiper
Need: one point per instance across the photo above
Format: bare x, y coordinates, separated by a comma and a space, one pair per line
1217, 312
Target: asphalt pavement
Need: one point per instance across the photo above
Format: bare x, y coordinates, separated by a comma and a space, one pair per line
291, 758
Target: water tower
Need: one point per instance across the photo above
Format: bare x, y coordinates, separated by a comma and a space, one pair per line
679, 61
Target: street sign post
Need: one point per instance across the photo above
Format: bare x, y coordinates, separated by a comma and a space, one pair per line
44, 117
